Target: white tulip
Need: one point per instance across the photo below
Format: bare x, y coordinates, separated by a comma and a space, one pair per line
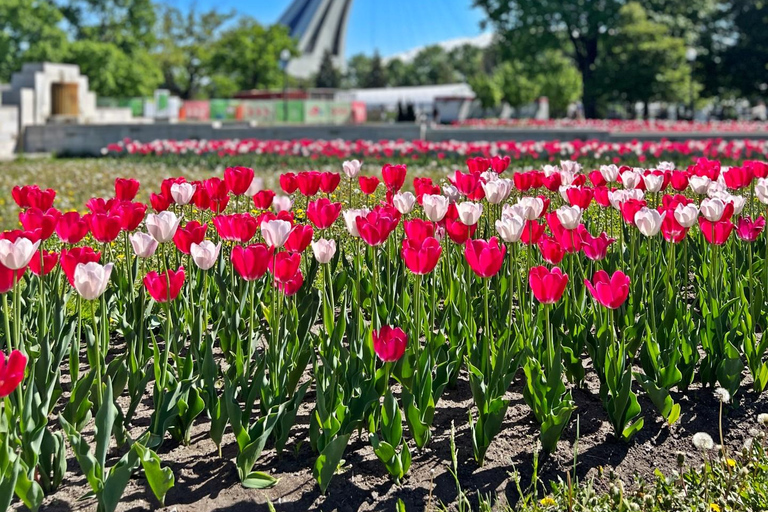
570, 166
489, 176
498, 190
452, 193
404, 202
761, 190
256, 186
531, 207
469, 212
686, 214
282, 204
648, 221
513, 210
91, 279
17, 255
610, 173
699, 184
510, 228
564, 191
653, 182
205, 254
738, 203
712, 209
350, 219
435, 206
275, 232
630, 179
144, 245
569, 216
666, 166
324, 250
616, 197
352, 168
182, 193
162, 226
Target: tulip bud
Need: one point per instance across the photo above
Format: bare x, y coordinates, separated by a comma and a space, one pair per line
143, 244
569, 216
350, 219
610, 172
282, 204
653, 182
275, 232
510, 228
435, 207
699, 184
324, 250
630, 179
686, 214
469, 212
351, 168
162, 226
404, 202
649, 221
91, 279
182, 193
205, 254
17, 254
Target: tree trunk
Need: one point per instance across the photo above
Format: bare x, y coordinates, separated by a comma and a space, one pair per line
586, 56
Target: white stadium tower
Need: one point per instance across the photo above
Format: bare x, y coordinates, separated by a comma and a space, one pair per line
319, 26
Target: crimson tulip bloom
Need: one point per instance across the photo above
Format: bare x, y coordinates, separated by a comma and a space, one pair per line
375, 227
610, 292
131, 214
192, 233
551, 250
580, 196
11, 372
532, 232
597, 179
159, 202
329, 181
368, 184
478, 164
421, 256
679, 180
299, 239
485, 258
424, 186
100, 205
547, 286
71, 228
601, 196
200, 198
237, 227
309, 182
34, 218
552, 182
595, 248
499, 164
323, 213
105, 227
8, 277
288, 182
459, 232
238, 179
389, 343
126, 188
70, 258
716, 233
31, 196
263, 199
417, 229
251, 262
291, 286
164, 287
629, 208
284, 266
394, 176
43, 265
671, 230
748, 230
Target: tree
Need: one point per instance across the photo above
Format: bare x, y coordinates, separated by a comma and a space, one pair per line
377, 77
467, 61
328, 75
129, 24
581, 29
644, 63
185, 49
432, 66
248, 54
747, 59
559, 81
487, 90
358, 69
518, 88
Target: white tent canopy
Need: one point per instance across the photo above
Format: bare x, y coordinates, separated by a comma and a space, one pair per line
421, 96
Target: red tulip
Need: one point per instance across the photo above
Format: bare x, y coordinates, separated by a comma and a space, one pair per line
457, 231
389, 343
192, 233
31, 196
671, 230
601, 196
551, 250
238, 179
679, 180
715, 232
288, 182
738, 177
323, 213
309, 182
548, 286
299, 239
284, 266
748, 230
34, 218
424, 186
126, 188
580, 196
105, 227
368, 184
251, 262
393, 176
263, 199
131, 214
478, 164
8, 277
43, 265
11, 372
758, 169
164, 287
610, 292
100, 205
15, 234
329, 181
200, 198
71, 228
71, 257
500, 164
532, 232
421, 256
629, 208
485, 258
159, 202
291, 286
552, 182
595, 248
218, 194
597, 179
375, 227
237, 227
417, 229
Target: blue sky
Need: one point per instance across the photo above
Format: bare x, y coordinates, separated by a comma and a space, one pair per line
389, 26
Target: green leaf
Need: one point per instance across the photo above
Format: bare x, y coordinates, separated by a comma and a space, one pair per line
160, 479
328, 461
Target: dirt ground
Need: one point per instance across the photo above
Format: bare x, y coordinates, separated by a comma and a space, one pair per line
205, 482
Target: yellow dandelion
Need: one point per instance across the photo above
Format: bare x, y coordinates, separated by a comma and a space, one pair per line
714, 507
731, 463
548, 501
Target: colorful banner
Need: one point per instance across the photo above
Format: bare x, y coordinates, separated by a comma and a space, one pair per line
195, 111
341, 112
263, 112
295, 112
317, 112
224, 110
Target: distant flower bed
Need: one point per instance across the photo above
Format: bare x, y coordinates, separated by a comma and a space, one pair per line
622, 126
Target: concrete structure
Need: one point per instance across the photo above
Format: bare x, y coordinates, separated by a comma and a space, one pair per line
319, 26
49, 93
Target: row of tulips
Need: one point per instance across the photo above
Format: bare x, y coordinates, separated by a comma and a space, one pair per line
231, 301
661, 126
524, 153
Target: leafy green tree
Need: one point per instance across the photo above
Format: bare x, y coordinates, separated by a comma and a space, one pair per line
249, 54
432, 66
559, 81
400, 73
746, 61
467, 61
328, 75
487, 90
185, 48
358, 69
129, 24
518, 87
377, 77
644, 63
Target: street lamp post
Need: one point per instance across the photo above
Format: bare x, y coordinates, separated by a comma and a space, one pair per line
690, 56
285, 57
